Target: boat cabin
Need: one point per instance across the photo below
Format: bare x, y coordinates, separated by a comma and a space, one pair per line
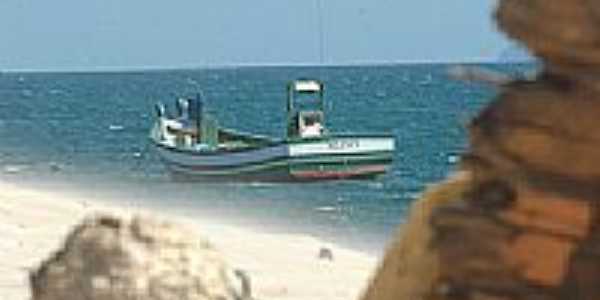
305, 109
190, 126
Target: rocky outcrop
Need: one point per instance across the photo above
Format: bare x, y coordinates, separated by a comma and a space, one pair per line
410, 267
113, 258
564, 34
525, 223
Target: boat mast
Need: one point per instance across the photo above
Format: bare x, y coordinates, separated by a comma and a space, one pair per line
321, 32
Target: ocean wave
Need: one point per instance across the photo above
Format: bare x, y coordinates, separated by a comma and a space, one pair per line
56, 92
27, 93
453, 158
55, 167
326, 209
380, 94
192, 82
114, 127
14, 169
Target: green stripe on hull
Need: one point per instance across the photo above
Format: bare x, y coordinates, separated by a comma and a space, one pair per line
289, 164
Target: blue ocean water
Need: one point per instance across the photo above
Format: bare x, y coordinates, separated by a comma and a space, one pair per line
86, 133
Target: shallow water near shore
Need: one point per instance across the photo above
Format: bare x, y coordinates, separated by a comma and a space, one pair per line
86, 134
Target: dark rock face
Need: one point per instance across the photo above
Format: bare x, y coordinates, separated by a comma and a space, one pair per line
525, 225
562, 33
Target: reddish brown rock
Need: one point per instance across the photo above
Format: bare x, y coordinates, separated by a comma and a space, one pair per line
563, 33
409, 269
526, 225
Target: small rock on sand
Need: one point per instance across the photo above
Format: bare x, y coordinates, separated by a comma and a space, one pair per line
326, 254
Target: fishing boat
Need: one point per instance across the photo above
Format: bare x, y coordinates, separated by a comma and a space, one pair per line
194, 147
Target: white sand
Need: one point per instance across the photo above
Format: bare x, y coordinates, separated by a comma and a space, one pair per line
281, 266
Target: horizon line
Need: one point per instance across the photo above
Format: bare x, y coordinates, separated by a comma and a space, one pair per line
159, 68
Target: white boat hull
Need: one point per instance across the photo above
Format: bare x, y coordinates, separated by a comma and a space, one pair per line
334, 157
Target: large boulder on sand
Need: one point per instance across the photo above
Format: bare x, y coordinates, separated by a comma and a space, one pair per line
112, 258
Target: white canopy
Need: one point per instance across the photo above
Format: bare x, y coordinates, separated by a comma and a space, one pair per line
307, 86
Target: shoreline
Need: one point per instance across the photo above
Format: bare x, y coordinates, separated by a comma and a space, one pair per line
33, 224
261, 213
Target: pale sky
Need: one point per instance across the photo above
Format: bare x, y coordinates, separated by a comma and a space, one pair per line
128, 34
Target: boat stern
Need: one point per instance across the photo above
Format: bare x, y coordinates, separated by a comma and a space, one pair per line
341, 157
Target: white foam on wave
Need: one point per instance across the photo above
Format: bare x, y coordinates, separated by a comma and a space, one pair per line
413, 195
14, 169
453, 159
376, 185
193, 82
326, 209
380, 94
27, 93
256, 184
426, 81
113, 127
56, 92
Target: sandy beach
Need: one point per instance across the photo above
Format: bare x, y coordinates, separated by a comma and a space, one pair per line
33, 223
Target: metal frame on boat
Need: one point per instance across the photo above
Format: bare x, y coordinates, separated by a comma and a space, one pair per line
193, 145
